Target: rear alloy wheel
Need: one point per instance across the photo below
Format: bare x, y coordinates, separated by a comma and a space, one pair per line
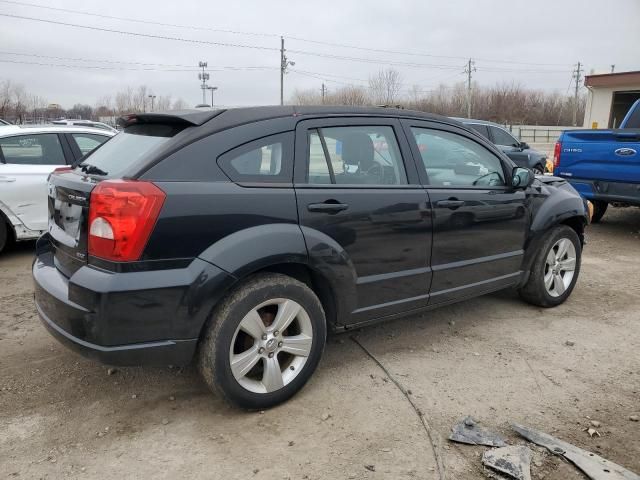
555, 269
264, 341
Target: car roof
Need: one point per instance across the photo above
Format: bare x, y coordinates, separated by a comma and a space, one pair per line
225, 118
11, 130
467, 121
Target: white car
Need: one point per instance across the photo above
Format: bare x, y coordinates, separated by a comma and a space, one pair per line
27, 156
86, 123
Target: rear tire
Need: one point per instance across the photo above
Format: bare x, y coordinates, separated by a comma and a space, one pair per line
599, 209
4, 233
555, 269
263, 341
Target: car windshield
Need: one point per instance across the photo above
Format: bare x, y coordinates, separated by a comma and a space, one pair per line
126, 148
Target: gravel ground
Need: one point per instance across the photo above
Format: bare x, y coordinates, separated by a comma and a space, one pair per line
495, 358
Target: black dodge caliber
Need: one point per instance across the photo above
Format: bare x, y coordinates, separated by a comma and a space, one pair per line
240, 237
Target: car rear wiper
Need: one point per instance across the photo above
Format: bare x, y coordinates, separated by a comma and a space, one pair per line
92, 169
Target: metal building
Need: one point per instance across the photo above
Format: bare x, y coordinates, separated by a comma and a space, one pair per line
610, 97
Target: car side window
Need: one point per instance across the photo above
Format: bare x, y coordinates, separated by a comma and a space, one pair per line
355, 155
34, 149
266, 160
87, 142
453, 160
480, 128
501, 137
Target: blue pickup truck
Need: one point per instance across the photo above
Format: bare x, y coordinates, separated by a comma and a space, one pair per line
603, 165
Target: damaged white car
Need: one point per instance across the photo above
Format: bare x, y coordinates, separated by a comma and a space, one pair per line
27, 156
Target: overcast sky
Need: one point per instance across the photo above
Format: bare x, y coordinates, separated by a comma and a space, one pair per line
533, 42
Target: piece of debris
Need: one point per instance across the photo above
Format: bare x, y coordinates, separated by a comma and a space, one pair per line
371, 468
291, 443
514, 461
325, 416
468, 432
569, 343
634, 418
165, 421
591, 431
594, 466
111, 371
134, 396
595, 424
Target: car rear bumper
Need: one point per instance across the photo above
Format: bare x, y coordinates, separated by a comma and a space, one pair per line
137, 318
620, 192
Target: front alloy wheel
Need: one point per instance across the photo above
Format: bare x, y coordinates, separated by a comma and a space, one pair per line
560, 267
263, 341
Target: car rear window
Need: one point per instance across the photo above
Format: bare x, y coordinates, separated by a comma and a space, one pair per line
125, 149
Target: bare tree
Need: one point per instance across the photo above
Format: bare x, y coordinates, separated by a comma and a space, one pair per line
163, 103
179, 104
385, 86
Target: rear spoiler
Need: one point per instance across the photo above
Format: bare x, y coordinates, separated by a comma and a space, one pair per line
175, 117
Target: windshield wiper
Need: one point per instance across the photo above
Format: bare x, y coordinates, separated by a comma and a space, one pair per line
92, 169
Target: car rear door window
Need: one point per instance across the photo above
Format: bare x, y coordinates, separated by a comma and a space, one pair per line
88, 141
480, 128
453, 160
501, 137
33, 149
266, 160
355, 155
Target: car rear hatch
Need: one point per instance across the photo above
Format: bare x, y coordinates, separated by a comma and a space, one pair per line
142, 142
68, 198
612, 155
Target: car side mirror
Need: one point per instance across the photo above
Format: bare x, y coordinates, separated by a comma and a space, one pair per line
522, 178
524, 145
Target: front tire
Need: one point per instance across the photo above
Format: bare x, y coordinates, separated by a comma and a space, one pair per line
555, 269
263, 342
538, 170
4, 233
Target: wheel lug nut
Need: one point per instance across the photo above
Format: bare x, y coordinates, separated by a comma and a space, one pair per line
264, 336
279, 344
261, 350
271, 355
276, 333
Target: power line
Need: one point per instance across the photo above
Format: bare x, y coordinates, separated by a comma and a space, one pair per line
234, 45
263, 34
137, 34
98, 67
135, 20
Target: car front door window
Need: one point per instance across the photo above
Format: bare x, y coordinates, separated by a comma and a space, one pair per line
501, 137
453, 160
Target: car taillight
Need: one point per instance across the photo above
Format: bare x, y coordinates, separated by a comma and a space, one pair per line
556, 155
122, 214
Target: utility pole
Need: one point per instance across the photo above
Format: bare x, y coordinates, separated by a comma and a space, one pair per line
577, 74
613, 68
204, 76
468, 70
323, 91
152, 97
212, 89
284, 63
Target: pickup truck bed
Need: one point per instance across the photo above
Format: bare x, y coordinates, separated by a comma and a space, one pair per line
603, 165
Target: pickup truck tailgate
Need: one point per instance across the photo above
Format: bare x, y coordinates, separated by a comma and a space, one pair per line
613, 155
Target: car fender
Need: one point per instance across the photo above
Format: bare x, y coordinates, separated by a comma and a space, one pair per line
20, 231
260, 247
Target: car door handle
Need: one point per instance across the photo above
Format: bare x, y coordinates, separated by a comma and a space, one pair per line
330, 206
452, 203
7, 179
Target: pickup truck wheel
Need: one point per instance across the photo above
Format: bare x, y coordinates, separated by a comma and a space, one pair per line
599, 209
538, 170
263, 341
555, 269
